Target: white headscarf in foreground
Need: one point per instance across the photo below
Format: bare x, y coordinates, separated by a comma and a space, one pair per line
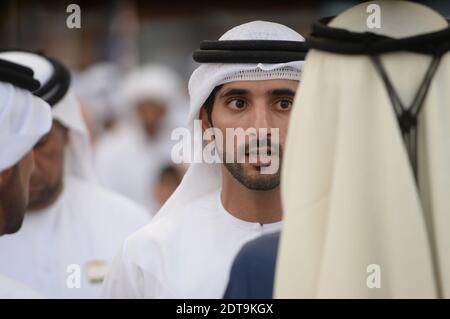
24, 119
356, 224
203, 178
66, 111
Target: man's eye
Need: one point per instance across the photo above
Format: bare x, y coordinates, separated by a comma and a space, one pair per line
284, 105
236, 104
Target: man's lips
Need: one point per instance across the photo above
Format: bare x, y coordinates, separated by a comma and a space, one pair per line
260, 157
259, 151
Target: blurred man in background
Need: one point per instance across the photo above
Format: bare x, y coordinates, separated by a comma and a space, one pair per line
97, 88
128, 158
72, 224
24, 119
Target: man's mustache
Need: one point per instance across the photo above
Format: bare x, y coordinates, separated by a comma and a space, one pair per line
260, 147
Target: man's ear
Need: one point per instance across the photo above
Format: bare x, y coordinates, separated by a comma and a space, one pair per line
204, 118
205, 122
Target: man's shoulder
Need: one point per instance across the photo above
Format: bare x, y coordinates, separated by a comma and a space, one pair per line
145, 247
170, 226
261, 249
253, 269
172, 217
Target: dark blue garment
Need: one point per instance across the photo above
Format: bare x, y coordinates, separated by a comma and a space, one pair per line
253, 271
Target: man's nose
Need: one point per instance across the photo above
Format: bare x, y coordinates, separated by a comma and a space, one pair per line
261, 117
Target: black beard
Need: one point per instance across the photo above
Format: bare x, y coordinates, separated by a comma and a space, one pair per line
264, 182
41, 199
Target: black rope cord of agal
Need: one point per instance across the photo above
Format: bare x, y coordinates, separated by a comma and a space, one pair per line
340, 41
250, 51
57, 86
18, 75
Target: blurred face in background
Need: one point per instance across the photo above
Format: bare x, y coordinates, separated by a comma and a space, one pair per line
14, 189
169, 179
47, 178
152, 115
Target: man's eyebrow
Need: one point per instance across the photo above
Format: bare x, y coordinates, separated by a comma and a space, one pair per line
232, 92
282, 92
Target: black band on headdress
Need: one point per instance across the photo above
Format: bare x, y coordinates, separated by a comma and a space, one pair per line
18, 75
340, 41
337, 40
250, 51
57, 86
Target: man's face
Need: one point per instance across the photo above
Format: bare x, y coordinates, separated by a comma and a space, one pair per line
151, 115
14, 189
47, 178
259, 106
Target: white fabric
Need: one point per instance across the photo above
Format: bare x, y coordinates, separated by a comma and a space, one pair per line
99, 85
10, 289
192, 219
190, 257
24, 119
86, 224
67, 111
78, 159
348, 188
